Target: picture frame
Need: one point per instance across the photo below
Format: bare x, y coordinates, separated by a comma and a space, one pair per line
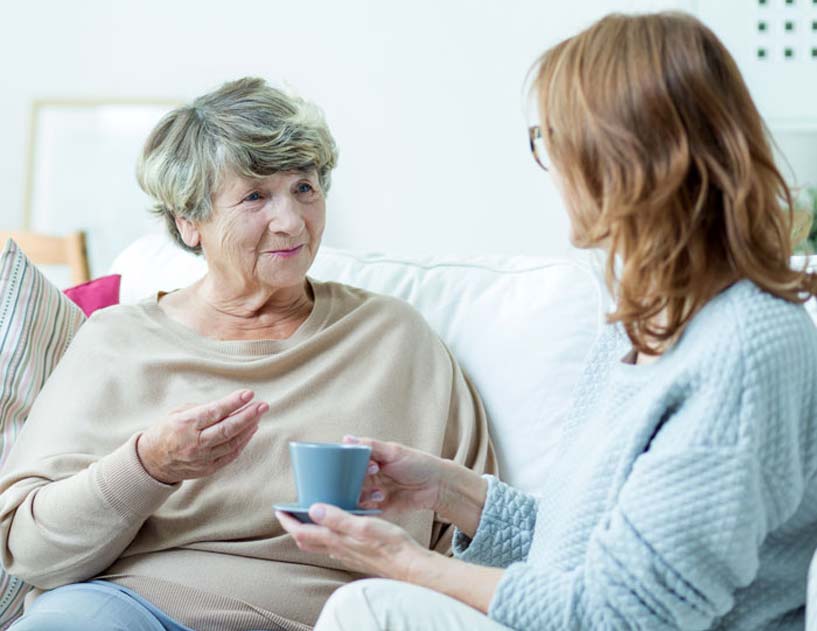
81, 172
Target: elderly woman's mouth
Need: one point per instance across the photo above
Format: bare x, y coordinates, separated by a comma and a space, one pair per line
285, 253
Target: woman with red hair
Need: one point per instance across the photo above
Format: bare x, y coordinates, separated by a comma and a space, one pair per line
684, 496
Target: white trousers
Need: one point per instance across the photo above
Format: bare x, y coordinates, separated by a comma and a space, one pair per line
384, 605
811, 597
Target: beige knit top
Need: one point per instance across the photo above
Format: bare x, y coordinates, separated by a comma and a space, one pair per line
77, 504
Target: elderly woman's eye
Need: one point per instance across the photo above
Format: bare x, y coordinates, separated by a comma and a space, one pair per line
306, 189
252, 197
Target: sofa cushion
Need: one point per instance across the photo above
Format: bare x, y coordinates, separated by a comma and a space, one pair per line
36, 324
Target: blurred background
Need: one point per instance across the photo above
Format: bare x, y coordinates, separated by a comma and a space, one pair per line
426, 100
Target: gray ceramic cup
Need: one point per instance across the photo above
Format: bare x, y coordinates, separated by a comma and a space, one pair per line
331, 473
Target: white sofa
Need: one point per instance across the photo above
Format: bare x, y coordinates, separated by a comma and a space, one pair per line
519, 326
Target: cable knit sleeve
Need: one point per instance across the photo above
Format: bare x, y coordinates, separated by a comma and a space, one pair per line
505, 529
683, 538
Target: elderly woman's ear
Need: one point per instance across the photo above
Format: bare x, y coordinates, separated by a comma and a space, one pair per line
188, 231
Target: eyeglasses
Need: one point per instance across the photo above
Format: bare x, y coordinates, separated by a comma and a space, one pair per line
537, 146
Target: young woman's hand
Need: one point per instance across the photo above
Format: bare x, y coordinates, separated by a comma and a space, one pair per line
363, 544
376, 547
399, 478
403, 479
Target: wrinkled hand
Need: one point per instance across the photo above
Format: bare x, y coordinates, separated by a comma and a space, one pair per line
400, 478
197, 440
363, 544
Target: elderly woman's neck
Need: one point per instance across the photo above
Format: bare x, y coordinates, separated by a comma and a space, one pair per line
253, 301
253, 313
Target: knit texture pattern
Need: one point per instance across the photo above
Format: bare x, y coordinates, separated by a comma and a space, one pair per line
684, 494
505, 531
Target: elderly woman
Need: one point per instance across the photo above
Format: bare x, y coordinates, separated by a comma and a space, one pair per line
685, 494
140, 491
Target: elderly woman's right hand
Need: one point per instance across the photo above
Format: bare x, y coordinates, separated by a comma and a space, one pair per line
403, 479
197, 440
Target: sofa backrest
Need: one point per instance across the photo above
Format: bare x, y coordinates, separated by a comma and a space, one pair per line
520, 327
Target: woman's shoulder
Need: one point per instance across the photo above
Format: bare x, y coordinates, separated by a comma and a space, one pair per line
761, 324
352, 306
755, 348
348, 298
113, 325
121, 315
744, 371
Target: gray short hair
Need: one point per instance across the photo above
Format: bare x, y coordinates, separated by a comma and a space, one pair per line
246, 127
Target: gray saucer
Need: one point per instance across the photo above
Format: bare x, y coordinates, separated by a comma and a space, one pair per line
301, 513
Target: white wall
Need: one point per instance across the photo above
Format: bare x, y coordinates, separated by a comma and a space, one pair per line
425, 98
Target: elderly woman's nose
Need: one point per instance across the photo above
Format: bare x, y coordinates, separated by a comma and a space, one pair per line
286, 217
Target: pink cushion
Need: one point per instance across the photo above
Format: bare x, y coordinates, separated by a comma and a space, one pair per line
96, 294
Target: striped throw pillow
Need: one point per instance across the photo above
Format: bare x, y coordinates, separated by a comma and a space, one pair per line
36, 324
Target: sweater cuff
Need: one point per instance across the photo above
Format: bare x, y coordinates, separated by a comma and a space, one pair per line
126, 486
505, 528
532, 598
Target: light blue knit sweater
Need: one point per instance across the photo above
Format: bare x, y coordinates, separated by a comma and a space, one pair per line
685, 493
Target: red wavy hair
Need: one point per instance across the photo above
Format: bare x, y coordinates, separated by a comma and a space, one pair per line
665, 160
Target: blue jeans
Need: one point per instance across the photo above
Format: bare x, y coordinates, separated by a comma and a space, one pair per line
95, 606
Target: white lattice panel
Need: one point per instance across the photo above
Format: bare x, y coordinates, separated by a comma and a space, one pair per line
775, 43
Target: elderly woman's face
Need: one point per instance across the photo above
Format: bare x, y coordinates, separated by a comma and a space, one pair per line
265, 231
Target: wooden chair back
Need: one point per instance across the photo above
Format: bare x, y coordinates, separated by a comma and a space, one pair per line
44, 249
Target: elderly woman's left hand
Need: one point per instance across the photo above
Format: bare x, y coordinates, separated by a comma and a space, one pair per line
365, 544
